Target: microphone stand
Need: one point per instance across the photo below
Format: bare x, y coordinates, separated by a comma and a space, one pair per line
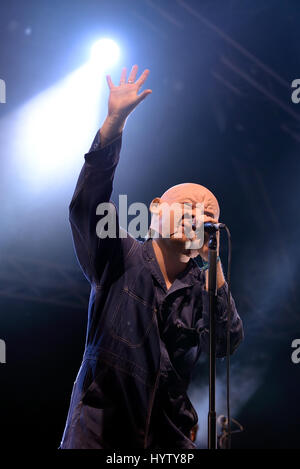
212, 291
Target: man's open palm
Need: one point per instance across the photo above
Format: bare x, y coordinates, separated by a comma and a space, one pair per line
124, 98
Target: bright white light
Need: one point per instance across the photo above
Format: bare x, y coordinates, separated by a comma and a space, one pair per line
55, 129
57, 126
105, 53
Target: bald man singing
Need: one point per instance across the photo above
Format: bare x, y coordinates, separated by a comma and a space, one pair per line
148, 308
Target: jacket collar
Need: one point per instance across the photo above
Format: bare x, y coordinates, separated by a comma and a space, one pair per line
188, 277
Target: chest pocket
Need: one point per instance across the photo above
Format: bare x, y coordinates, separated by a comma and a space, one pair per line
133, 318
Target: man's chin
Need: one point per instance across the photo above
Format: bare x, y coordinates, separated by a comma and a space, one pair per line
188, 248
193, 244
191, 253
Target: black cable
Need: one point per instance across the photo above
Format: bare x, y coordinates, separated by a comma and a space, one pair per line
228, 336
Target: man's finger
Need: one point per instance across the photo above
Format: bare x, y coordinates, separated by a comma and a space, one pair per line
142, 78
143, 95
209, 219
109, 82
123, 76
132, 76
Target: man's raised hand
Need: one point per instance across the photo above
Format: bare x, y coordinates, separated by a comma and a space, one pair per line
121, 102
124, 97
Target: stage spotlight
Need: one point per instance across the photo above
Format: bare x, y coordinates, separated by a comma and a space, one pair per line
55, 128
105, 53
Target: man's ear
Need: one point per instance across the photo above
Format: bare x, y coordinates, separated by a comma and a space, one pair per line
154, 206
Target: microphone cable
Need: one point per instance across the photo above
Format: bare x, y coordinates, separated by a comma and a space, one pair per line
229, 248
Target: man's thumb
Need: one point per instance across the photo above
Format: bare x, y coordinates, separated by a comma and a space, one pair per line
143, 95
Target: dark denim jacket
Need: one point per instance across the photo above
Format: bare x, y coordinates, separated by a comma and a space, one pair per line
114, 391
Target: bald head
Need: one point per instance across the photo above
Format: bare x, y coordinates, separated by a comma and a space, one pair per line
189, 192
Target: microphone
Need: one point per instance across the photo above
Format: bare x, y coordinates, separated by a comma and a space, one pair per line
210, 227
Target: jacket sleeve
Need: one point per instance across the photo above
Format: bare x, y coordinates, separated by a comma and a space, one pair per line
94, 186
236, 325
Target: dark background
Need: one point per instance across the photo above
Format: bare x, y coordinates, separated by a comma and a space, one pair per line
220, 115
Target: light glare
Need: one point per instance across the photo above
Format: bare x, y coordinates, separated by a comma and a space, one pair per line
105, 53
